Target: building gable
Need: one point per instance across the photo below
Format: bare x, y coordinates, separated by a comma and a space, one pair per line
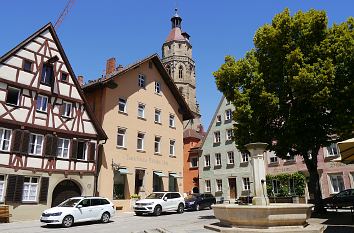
49, 94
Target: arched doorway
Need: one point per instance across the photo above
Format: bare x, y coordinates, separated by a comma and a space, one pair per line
64, 190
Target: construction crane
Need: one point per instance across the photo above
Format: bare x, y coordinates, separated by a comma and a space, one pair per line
66, 10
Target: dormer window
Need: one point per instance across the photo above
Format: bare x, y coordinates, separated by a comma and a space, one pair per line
47, 75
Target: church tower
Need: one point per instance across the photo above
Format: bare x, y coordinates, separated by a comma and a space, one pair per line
177, 58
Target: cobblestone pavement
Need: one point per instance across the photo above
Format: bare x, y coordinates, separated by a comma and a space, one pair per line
188, 222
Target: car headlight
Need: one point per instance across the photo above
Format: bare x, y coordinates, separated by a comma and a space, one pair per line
191, 202
56, 214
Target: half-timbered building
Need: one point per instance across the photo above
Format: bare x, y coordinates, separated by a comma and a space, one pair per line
49, 138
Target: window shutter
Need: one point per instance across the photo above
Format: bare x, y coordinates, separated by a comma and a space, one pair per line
74, 148
14, 188
61, 109
25, 141
55, 146
16, 141
48, 141
91, 151
43, 193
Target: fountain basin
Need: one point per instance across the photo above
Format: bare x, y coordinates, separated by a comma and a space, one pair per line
262, 217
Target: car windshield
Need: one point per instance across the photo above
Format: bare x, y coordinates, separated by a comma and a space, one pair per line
70, 202
155, 196
191, 196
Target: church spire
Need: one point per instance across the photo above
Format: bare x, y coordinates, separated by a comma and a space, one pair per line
176, 20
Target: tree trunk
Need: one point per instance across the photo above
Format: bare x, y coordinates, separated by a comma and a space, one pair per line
314, 186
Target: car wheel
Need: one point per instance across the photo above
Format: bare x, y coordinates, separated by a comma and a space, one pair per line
180, 208
210, 207
197, 207
68, 221
138, 213
105, 217
157, 210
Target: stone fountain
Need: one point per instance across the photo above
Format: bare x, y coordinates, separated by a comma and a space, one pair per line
262, 216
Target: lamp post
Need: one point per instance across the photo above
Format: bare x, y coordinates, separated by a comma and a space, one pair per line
257, 155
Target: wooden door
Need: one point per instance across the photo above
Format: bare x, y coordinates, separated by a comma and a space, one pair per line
232, 187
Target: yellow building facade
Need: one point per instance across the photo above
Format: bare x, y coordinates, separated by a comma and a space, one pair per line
142, 112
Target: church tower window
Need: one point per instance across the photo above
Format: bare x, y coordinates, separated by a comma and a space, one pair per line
180, 72
168, 68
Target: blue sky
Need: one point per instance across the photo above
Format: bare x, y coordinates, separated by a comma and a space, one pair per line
96, 30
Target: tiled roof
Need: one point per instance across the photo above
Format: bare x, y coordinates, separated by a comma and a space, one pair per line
191, 133
175, 34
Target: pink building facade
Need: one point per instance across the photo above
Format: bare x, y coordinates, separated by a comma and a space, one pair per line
334, 175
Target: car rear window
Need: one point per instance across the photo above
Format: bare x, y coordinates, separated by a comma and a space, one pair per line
175, 195
104, 202
96, 201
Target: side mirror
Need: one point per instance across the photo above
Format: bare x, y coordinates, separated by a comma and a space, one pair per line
165, 198
79, 206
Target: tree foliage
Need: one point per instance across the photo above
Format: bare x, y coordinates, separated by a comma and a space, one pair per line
294, 90
284, 189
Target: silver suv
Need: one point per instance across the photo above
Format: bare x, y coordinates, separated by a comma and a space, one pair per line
158, 202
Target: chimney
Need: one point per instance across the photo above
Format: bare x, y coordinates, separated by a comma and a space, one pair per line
110, 65
120, 68
80, 79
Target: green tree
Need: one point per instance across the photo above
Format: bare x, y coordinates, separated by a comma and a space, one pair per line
295, 89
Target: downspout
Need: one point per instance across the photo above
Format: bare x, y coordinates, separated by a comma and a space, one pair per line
95, 183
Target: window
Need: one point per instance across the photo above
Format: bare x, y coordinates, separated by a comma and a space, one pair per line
172, 147
67, 109
337, 183
157, 116
206, 160
30, 188
81, 150
140, 141
229, 134
42, 102
246, 183
332, 150
141, 81
231, 158
63, 148
27, 65
2, 187
157, 88
157, 145
13, 96
180, 72
228, 114
217, 137
168, 69
64, 77
218, 119
218, 185
35, 145
245, 157
5, 137
290, 158
207, 186
275, 186
172, 121
121, 137
47, 74
194, 161
122, 105
273, 158
217, 159
141, 110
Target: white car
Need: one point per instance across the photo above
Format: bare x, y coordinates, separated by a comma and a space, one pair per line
79, 209
159, 202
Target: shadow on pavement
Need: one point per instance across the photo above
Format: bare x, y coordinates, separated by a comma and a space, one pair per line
339, 229
75, 224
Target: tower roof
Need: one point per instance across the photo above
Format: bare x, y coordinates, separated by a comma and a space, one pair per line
176, 31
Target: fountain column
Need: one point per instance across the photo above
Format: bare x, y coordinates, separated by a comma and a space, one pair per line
257, 150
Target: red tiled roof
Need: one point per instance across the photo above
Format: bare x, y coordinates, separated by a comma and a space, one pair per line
175, 34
